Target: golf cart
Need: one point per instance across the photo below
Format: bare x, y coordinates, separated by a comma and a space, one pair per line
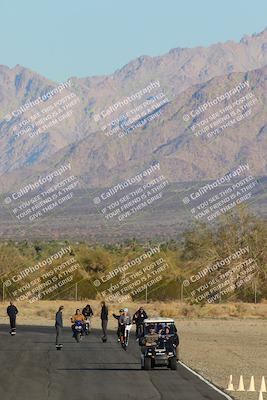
159, 343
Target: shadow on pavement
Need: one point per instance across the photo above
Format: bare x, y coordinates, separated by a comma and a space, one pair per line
93, 367
100, 369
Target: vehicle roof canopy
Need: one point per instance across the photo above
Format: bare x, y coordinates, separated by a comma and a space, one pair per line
154, 320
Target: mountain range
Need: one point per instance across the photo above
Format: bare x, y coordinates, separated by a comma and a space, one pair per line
188, 77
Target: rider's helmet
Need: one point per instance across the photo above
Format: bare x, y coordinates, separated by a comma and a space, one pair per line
125, 310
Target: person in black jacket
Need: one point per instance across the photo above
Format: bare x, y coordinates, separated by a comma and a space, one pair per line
59, 324
104, 320
87, 311
119, 325
138, 319
171, 339
12, 312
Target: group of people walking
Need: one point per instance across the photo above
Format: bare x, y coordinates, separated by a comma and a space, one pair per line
83, 316
124, 319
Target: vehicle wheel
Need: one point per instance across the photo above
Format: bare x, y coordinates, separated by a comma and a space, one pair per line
147, 363
173, 363
78, 338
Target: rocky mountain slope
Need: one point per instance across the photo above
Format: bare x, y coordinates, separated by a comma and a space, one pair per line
188, 78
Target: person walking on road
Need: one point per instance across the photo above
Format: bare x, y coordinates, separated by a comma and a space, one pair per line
138, 319
12, 312
117, 317
59, 325
104, 320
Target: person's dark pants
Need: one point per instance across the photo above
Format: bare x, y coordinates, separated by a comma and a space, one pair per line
104, 324
139, 330
12, 322
122, 329
58, 334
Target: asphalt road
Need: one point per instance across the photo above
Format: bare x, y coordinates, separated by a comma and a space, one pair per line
32, 369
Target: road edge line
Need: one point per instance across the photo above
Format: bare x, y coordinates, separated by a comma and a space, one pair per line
206, 381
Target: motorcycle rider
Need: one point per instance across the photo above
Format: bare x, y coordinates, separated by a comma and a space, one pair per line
88, 313
138, 319
78, 316
124, 322
117, 317
12, 312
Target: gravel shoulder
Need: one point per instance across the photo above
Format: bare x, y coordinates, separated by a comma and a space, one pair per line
218, 348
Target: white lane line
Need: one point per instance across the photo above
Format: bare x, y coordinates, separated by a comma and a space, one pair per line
205, 380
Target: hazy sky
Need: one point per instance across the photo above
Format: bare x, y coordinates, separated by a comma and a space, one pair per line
63, 38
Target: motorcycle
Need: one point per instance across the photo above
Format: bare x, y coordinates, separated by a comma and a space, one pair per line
88, 326
77, 329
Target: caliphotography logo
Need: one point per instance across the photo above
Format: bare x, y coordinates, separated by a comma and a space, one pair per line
133, 258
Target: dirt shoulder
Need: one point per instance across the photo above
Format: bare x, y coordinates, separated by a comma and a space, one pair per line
219, 348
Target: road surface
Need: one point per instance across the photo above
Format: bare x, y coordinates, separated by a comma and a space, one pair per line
32, 369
